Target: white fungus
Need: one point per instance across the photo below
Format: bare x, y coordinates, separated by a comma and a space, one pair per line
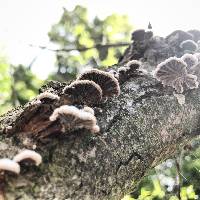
189, 45
75, 118
28, 155
9, 165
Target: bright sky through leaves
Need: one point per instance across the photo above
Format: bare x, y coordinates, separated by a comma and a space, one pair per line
25, 22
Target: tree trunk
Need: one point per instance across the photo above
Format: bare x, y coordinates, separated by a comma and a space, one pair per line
142, 127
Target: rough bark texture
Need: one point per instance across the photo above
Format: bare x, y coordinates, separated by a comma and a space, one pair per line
142, 127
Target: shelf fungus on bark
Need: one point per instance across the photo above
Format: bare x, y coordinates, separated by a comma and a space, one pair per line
82, 92
6, 166
28, 157
108, 83
188, 45
129, 70
47, 97
190, 60
173, 72
72, 118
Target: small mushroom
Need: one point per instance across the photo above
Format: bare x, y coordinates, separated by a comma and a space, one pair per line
108, 83
73, 118
133, 65
173, 72
83, 92
189, 45
28, 157
190, 60
6, 165
47, 95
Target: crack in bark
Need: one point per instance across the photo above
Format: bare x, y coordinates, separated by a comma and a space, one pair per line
125, 163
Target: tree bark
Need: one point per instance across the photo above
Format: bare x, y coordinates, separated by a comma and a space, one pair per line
142, 127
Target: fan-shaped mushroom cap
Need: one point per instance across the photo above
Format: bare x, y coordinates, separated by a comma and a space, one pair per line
189, 45
83, 92
133, 65
190, 60
172, 72
28, 155
108, 83
73, 118
47, 95
9, 165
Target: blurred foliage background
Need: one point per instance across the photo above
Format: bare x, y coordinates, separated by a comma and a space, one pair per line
75, 31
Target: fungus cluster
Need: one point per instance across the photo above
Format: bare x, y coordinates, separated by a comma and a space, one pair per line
73, 118
89, 89
128, 70
107, 82
8, 166
173, 72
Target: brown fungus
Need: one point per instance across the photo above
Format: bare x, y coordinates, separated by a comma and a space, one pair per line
133, 65
28, 157
190, 60
82, 92
189, 45
73, 118
172, 72
108, 83
6, 165
47, 97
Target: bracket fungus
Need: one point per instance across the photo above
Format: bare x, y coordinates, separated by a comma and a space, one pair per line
47, 95
6, 165
189, 45
128, 70
190, 60
172, 72
108, 83
28, 157
82, 92
73, 118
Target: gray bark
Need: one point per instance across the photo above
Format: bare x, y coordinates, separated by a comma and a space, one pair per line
142, 127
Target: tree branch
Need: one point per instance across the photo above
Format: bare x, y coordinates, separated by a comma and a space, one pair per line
144, 126
81, 49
